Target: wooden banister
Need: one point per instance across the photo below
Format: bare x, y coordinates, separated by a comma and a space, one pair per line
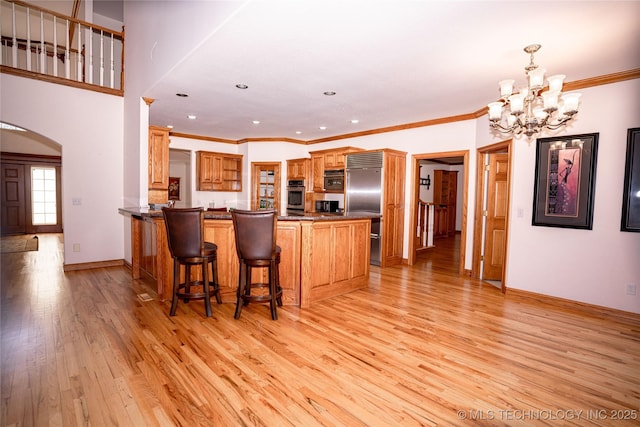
81, 46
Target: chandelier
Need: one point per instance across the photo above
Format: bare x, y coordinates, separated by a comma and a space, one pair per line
530, 110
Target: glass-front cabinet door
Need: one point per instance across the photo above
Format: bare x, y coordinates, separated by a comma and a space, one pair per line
266, 186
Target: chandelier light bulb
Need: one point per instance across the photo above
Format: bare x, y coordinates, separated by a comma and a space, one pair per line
550, 100
495, 110
517, 103
506, 88
571, 101
555, 82
536, 78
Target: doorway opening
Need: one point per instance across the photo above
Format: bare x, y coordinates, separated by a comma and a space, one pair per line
31, 194
438, 222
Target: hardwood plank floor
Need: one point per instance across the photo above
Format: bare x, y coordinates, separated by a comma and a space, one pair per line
419, 346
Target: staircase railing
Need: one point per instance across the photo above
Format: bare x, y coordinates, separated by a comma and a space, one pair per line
424, 232
432, 224
46, 45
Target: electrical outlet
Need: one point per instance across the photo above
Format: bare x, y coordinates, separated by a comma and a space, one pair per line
76, 201
631, 289
76, 247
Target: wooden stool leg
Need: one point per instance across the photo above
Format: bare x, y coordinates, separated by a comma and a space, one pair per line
187, 281
176, 284
205, 287
214, 280
242, 279
278, 288
247, 283
272, 290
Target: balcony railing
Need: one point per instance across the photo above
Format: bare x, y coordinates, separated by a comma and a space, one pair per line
45, 45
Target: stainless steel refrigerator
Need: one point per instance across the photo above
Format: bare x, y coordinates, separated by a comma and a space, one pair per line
364, 192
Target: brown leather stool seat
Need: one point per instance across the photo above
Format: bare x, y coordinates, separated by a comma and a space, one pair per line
255, 233
185, 236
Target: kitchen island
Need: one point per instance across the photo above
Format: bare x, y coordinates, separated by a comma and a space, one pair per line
323, 255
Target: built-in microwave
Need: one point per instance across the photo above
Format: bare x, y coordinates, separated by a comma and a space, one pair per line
327, 206
334, 180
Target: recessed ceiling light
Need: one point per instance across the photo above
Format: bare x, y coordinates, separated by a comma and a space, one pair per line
242, 86
298, 132
256, 122
323, 127
182, 95
191, 116
354, 121
329, 93
170, 126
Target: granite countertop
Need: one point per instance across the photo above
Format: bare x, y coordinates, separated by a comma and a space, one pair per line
148, 213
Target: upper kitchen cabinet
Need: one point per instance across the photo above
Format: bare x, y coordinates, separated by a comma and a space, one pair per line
158, 164
218, 171
299, 169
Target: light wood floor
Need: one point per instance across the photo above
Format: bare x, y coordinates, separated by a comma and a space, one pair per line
419, 346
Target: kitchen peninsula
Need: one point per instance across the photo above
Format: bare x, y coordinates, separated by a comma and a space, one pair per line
323, 255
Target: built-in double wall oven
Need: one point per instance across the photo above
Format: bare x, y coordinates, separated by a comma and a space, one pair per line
295, 197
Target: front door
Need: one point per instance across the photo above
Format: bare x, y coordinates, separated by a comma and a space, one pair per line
496, 233
13, 199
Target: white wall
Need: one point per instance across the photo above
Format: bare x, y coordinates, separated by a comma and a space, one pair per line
91, 140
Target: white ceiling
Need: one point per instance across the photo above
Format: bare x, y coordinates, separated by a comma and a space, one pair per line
389, 62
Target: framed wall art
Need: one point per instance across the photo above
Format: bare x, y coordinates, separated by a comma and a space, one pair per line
174, 188
631, 195
565, 181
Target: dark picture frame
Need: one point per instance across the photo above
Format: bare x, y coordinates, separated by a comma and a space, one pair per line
565, 180
631, 196
174, 188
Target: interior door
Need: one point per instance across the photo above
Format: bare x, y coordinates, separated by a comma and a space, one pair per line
495, 235
13, 199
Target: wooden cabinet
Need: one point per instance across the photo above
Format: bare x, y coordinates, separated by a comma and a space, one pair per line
299, 169
218, 171
209, 171
452, 206
335, 160
158, 164
445, 189
265, 178
440, 187
393, 207
317, 172
342, 267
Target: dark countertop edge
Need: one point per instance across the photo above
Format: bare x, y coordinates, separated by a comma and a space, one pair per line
141, 213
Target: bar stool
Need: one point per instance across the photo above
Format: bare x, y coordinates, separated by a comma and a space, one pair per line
255, 233
185, 235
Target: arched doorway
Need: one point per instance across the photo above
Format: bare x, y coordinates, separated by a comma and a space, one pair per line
30, 179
